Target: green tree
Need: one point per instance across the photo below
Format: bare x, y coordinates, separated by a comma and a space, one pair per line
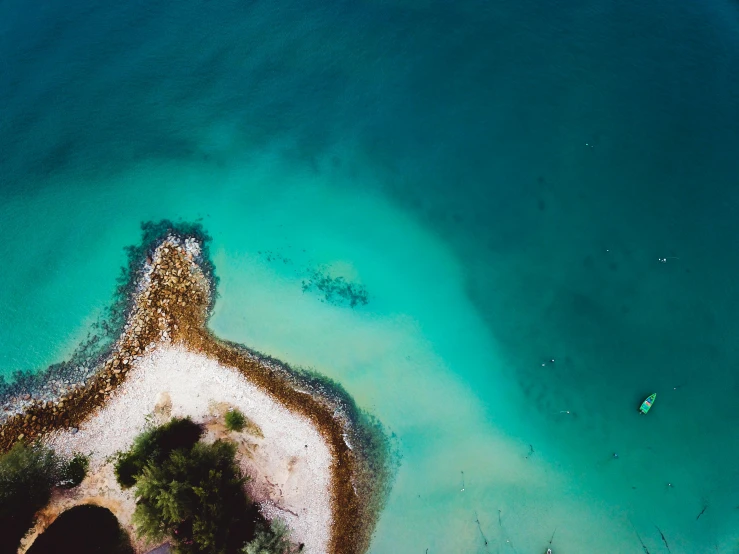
27, 475
274, 539
195, 498
155, 445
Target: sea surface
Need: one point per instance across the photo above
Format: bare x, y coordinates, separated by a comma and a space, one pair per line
499, 225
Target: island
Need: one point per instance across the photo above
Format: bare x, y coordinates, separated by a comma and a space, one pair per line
307, 456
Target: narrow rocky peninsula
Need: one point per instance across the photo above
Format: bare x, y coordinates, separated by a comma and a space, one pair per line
313, 459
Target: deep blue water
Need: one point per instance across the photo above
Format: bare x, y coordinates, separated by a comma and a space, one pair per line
503, 177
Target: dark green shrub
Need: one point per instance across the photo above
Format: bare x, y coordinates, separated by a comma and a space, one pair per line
27, 474
155, 446
235, 420
273, 539
83, 530
127, 467
196, 499
73, 472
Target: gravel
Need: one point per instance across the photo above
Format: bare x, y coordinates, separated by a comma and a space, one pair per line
290, 466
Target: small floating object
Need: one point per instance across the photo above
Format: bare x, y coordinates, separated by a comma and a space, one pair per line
644, 408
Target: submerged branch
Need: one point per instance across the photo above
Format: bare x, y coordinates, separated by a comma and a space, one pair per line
661, 534
484, 538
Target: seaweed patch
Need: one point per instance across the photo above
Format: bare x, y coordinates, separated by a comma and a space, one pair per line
336, 290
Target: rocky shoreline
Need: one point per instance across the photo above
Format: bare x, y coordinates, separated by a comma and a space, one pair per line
170, 300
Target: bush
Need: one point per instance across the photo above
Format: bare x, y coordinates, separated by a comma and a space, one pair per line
127, 467
27, 474
274, 539
235, 420
195, 498
155, 446
73, 472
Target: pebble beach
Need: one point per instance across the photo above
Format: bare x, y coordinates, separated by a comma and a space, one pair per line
289, 465
299, 459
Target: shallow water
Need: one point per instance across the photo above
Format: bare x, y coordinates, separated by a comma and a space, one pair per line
500, 179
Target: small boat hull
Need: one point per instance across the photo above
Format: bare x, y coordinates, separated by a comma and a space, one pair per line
647, 404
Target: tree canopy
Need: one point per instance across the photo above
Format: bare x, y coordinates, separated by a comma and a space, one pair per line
155, 446
196, 498
27, 475
192, 494
274, 539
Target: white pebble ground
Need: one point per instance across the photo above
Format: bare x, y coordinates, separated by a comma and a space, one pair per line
289, 466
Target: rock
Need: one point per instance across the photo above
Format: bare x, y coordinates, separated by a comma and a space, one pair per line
74, 430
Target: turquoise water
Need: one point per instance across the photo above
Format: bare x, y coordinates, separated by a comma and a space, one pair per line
501, 179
